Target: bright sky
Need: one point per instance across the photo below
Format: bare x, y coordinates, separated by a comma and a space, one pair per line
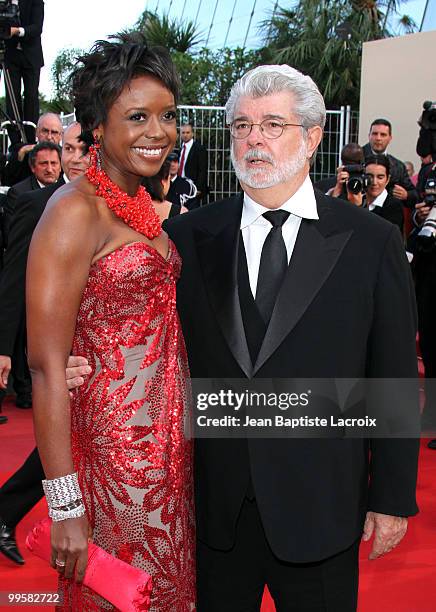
79, 23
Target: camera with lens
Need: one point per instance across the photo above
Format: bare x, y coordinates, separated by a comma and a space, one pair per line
9, 16
358, 181
427, 120
426, 237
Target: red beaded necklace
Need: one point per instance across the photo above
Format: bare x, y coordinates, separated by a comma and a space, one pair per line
137, 211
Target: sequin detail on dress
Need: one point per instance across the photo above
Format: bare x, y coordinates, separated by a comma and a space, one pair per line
128, 425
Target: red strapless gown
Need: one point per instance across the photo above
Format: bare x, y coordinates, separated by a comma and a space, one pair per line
128, 425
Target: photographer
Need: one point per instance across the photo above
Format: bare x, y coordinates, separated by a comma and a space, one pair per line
24, 59
424, 241
365, 184
336, 186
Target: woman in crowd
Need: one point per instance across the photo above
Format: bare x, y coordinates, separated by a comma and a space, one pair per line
378, 199
101, 283
158, 187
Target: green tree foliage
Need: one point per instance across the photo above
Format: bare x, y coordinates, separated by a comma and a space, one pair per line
174, 34
324, 38
208, 76
60, 76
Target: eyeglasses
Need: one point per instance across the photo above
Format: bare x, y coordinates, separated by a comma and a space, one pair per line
270, 128
46, 132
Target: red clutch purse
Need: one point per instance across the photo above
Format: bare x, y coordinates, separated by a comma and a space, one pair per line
124, 586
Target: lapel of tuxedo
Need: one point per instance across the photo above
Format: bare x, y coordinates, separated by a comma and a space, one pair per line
315, 255
217, 250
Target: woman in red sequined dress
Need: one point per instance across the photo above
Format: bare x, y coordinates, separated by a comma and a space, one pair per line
101, 283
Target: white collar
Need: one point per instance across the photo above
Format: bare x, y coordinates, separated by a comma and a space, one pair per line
385, 152
301, 204
379, 201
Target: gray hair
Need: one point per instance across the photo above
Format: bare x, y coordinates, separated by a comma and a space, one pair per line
266, 80
49, 114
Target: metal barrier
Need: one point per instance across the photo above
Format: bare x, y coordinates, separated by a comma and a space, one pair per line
4, 136
210, 129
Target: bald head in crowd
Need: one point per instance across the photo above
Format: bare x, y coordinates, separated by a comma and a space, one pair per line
75, 154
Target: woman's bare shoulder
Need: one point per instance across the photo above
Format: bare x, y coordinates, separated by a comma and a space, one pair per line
75, 198
71, 220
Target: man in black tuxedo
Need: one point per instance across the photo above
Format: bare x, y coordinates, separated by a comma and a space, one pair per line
21, 492
24, 60
193, 163
292, 297
274, 285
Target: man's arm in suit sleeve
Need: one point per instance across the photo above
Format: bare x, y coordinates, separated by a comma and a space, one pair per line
392, 355
34, 28
13, 275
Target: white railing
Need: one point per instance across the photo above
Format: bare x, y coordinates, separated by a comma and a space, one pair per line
210, 129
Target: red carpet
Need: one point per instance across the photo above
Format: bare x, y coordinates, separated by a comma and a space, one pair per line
403, 581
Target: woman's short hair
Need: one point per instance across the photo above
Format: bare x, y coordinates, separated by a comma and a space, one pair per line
100, 75
379, 160
308, 106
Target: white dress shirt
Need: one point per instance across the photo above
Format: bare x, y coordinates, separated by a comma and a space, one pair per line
379, 200
255, 228
187, 146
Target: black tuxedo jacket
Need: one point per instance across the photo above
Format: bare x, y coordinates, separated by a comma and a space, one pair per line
333, 318
31, 19
392, 210
30, 207
196, 167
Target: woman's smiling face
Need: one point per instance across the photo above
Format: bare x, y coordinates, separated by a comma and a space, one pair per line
139, 131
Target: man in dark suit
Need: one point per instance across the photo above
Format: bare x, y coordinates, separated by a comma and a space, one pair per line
274, 285
45, 167
401, 187
193, 163
24, 60
48, 129
20, 493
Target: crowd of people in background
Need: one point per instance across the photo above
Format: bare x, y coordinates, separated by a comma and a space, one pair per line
391, 189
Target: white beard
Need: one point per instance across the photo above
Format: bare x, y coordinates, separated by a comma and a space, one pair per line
262, 178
